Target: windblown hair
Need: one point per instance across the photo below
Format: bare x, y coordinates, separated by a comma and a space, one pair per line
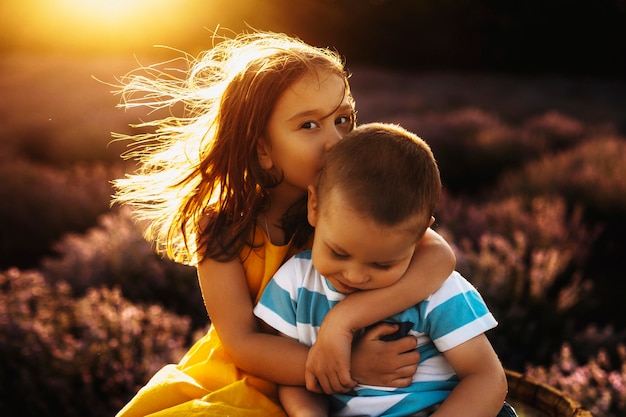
386, 173
199, 186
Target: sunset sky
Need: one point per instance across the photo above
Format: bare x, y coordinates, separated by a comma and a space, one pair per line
105, 26
99, 25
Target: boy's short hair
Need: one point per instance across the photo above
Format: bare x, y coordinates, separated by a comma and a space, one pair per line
386, 173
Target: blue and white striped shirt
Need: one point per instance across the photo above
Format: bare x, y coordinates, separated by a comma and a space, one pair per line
297, 299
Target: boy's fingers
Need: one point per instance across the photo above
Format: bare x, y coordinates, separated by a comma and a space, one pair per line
406, 344
407, 371
402, 382
380, 330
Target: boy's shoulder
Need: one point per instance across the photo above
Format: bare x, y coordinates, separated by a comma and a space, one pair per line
300, 261
454, 284
295, 269
305, 254
456, 279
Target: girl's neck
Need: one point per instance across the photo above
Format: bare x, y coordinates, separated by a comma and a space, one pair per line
271, 220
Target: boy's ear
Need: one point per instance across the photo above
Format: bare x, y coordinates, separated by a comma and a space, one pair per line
432, 220
312, 209
263, 153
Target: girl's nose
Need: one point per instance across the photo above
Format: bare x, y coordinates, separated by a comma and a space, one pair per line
333, 137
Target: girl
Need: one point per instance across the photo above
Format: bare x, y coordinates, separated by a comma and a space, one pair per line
224, 187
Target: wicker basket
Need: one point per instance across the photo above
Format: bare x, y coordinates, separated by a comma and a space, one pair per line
542, 397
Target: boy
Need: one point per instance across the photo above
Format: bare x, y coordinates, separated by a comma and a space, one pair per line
377, 192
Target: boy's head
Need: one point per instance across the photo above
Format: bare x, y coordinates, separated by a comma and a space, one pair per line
374, 200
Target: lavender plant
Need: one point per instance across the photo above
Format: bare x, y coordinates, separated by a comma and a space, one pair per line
114, 254
599, 384
524, 258
76, 357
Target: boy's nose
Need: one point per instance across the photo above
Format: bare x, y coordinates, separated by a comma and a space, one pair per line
356, 276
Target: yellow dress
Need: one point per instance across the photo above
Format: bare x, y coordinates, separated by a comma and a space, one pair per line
206, 382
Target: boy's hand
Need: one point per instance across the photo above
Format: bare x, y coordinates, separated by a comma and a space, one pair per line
328, 362
384, 363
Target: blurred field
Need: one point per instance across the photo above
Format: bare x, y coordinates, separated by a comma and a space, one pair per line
54, 110
534, 170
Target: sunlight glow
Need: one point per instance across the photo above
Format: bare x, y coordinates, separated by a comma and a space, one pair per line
104, 24
104, 11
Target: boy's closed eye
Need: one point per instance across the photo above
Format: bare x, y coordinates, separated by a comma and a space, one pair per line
376, 265
338, 255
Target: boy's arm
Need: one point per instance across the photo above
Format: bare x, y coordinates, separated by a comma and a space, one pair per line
297, 401
328, 362
483, 387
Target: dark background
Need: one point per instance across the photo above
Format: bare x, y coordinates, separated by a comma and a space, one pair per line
585, 38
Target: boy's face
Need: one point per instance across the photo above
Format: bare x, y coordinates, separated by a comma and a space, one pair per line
352, 251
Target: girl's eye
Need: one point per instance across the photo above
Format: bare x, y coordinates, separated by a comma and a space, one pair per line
382, 267
309, 125
343, 120
345, 123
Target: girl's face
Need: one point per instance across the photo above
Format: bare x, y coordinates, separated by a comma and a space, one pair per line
308, 119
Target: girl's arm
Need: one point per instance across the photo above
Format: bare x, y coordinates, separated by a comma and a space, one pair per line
227, 299
278, 359
483, 387
328, 362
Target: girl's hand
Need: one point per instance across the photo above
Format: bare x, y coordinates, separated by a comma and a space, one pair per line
382, 363
328, 361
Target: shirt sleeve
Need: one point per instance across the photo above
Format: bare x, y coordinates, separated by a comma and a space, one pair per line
456, 313
277, 306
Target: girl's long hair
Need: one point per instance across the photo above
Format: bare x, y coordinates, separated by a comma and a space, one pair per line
199, 186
